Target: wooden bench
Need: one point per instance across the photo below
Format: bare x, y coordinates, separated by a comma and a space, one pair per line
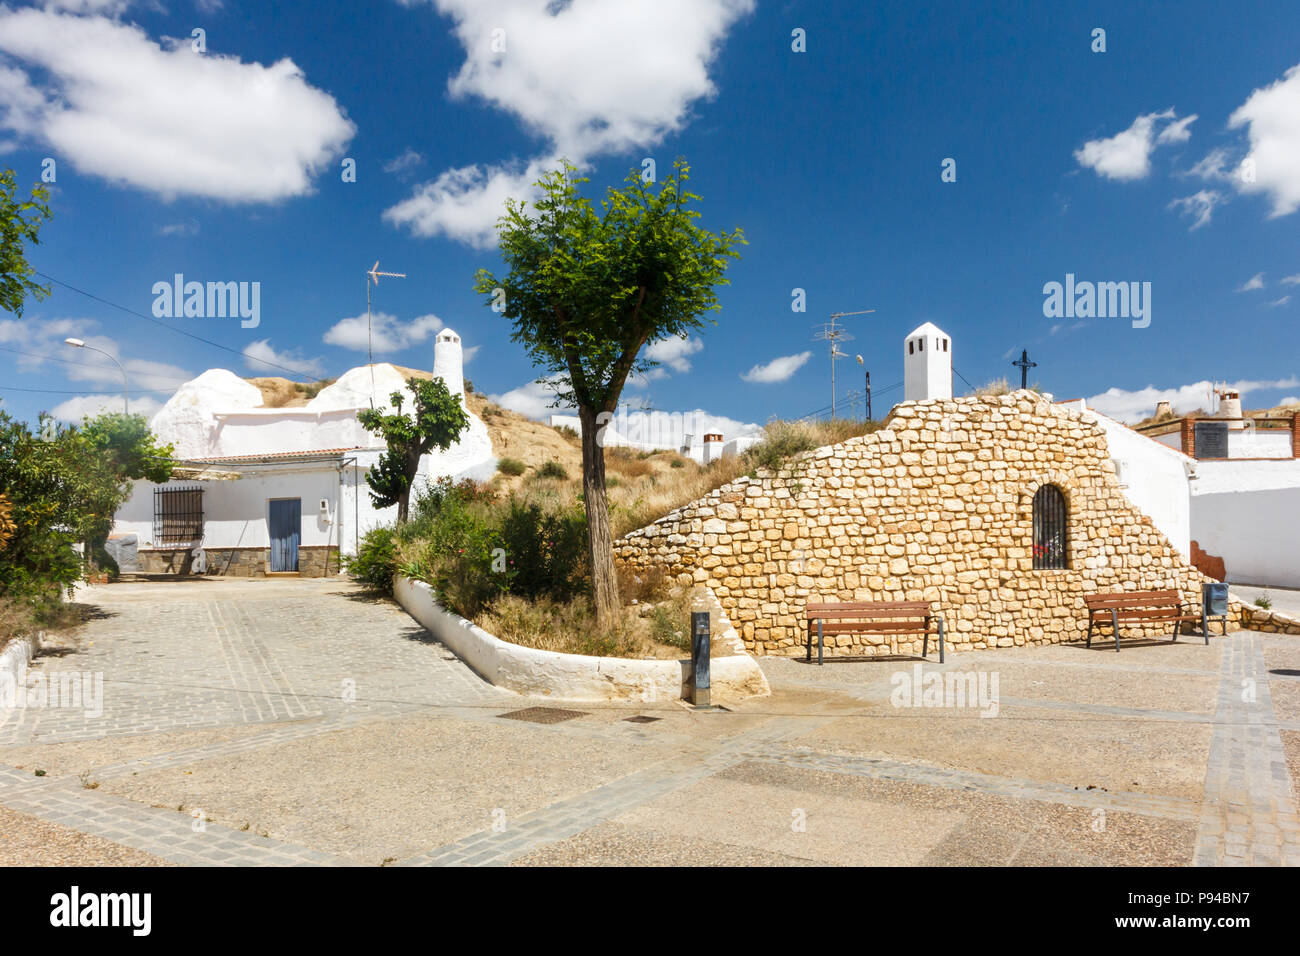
873, 617
1141, 607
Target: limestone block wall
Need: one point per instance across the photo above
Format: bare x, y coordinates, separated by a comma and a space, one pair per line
935, 506
313, 562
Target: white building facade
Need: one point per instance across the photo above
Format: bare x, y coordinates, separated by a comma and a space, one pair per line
262, 490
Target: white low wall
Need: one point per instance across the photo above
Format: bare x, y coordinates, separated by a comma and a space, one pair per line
1248, 514
536, 673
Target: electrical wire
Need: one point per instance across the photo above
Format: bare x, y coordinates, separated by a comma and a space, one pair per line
148, 318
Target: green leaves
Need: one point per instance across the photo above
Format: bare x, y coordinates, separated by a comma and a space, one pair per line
588, 289
20, 224
439, 420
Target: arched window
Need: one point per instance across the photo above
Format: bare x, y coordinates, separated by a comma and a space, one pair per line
1051, 530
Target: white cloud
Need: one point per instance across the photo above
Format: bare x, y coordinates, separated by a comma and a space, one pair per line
81, 407
1277, 302
1272, 118
1290, 400
1199, 205
388, 332
1133, 406
186, 227
162, 118
264, 360
673, 352
569, 75
42, 341
1254, 282
1291, 280
1127, 155
465, 203
404, 163
777, 370
535, 400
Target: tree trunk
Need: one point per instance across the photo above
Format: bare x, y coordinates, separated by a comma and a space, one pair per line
600, 544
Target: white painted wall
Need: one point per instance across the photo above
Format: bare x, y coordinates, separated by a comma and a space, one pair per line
1152, 476
1248, 513
1247, 443
235, 512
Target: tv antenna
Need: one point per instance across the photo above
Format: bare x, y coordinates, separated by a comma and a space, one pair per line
373, 276
831, 332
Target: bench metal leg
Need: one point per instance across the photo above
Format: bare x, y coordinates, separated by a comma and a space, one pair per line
940, 640
807, 643
819, 642
1091, 621
925, 640
1114, 623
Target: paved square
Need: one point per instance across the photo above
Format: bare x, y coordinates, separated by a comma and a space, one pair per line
299, 722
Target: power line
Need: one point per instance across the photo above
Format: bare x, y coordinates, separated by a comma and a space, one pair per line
55, 358
77, 391
171, 328
964, 379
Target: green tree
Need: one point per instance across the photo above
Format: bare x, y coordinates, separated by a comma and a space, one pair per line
20, 223
64, 485
439, 421
587, 290
122, 449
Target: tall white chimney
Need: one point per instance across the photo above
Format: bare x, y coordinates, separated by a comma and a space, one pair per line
927, 364
448, 362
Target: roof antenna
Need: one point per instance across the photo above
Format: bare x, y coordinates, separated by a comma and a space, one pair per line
832, 333
373, 276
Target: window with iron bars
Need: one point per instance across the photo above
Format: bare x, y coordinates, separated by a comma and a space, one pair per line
1050, 529
177, 515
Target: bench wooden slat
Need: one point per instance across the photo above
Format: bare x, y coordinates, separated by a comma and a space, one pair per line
858, 627
836, 615
902, 618
1122, 598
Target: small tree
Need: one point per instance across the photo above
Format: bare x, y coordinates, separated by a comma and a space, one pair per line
20, 223
120, 449
439, 421
587, 291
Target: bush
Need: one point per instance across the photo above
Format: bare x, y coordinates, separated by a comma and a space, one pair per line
546, 550
460, 557
552, 469
678, 463
375, 562
511, 466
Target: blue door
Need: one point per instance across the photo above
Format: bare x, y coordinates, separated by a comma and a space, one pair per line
286, 530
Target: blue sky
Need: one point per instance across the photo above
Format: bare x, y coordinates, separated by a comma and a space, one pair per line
226, 165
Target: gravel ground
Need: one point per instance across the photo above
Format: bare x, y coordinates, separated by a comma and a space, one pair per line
30, 841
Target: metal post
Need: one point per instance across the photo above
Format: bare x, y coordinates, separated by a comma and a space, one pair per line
868, 396
700, 658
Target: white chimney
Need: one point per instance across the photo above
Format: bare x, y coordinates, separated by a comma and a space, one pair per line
447, 361
712, 447
927, 364
1230, 407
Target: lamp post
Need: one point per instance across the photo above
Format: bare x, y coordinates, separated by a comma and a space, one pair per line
867, 385
79, 344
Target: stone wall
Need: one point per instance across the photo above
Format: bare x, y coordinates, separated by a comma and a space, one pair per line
313, 562
935, 506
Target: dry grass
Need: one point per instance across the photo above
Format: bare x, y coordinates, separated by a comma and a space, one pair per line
570, 628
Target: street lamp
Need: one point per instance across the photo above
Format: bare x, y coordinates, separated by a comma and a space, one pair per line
867, 391
79, 344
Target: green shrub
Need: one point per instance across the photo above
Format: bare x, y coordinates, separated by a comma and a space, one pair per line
546, 550
460, 557
375, 562
511, 466
678, 463
552, 469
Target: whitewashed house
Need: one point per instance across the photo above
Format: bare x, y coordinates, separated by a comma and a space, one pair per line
264, 490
